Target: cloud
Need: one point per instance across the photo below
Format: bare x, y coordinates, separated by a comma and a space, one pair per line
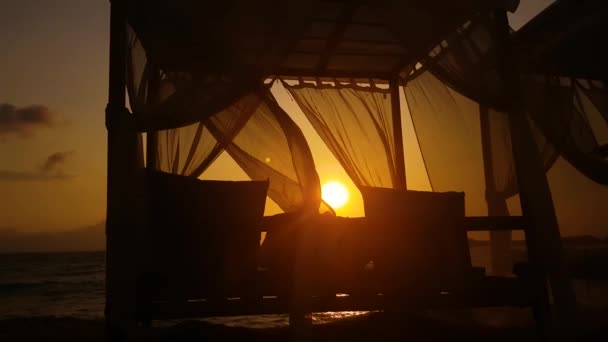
55, 161
91, 238
51, 169
25, 176
24, 120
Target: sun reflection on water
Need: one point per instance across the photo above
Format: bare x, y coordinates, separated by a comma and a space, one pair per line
332, 316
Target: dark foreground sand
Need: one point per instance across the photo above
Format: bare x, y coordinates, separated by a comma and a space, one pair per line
372, 327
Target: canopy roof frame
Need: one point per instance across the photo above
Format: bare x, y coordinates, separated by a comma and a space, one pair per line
124, 170
551, 42
341, 16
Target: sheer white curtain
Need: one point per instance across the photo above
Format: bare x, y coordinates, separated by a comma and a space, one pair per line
455, 96
459, 79
571, 115
271, 146
190, 150
261, 138
191, 118
447, 127
356, 123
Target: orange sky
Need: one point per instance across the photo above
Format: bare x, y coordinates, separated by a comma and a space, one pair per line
55, 54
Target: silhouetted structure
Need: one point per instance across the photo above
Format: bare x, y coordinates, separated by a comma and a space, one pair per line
195, 73
567, 83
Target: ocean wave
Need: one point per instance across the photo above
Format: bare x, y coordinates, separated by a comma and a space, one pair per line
18, 286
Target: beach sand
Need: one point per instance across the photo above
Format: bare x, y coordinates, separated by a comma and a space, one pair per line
455, 326
489, 325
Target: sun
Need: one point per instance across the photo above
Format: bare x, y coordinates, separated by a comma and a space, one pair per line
335, 194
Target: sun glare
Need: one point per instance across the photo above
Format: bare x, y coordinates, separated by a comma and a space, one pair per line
335, 194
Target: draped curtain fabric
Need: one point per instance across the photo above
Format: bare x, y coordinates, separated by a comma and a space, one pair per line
136, 80
463, 64
571, 115
261, 138
597, 93
447, 128
456, 101
191, 120
136, 77
356, 123
565, 119
271, 146
501, 155
420, 25
190, 150
466, 62
246, 41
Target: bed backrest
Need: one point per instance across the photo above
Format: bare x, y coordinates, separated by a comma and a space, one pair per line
204, 235
420, 242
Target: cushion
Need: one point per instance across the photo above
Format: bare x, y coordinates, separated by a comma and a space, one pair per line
328, 251
420, 241
204, 234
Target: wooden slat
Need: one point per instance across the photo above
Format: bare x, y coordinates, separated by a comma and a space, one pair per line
391, 42
487, 292
358, 23
306, 72
400, 179
494, 223
345, 18
358, 54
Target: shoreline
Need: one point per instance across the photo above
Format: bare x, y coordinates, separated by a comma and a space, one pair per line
374, 326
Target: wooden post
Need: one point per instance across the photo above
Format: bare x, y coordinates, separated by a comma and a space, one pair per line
118, 45
122, 188
151, 136
151, 156
398, 134
500, 241
544, 241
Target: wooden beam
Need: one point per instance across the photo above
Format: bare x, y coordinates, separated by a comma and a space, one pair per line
118, 45
495, 223
486, 147
362, 41
306, 72
500, 241
153, 98
344, 20
357, 23
356, 54
121, 164
401, 181
545, 248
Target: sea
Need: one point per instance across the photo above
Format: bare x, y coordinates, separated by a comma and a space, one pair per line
52, 284
72, 285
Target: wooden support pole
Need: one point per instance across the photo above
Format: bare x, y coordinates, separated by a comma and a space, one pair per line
544, 241
500, 241
495, 223
398, 135
123, 188
151, 155
118, 45
152, 136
